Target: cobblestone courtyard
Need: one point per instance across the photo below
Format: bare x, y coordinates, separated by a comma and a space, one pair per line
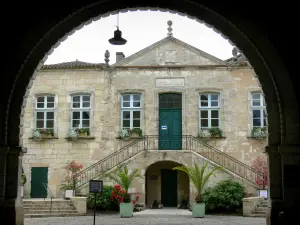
171, 217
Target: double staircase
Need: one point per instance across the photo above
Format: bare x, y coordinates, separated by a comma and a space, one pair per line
151, 142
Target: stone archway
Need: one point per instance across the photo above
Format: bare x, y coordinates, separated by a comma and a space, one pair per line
157, 182
280, 95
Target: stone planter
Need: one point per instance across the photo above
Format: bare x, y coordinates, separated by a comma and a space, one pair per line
198, 210
46, 135
126, 209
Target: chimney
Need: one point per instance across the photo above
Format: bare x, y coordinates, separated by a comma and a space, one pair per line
119, 56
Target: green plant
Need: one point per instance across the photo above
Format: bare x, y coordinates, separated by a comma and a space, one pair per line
104, 200
46, 131
198, 176
124, 133
23, 178
137, 131
83, 130
259, 132
210, 132
72, 134
225, 196
123, 177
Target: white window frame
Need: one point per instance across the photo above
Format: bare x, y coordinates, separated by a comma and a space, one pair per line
261, 108
131, 108
81, 109
45, 109
209, 108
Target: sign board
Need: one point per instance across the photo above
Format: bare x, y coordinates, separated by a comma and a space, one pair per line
164, 127
96, 186
169, 82
263, 193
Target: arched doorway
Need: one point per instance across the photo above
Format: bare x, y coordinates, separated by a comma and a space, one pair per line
166, 186
266, 48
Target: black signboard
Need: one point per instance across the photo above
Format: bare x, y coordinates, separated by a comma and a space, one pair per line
96, 186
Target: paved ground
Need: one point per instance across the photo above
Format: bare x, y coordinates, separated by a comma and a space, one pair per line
157, 217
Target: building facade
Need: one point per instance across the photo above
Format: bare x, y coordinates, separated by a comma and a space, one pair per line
176, 95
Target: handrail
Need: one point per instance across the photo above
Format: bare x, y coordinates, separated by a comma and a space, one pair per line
108, 162
151, 142
49, 193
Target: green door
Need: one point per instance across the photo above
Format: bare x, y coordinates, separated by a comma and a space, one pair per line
169, 188
39, 175
170, 122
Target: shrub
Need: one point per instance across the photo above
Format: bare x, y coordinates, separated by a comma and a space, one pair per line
225, 196
103, 201
260, 164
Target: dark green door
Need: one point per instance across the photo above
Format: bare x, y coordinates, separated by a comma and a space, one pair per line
170, 122
169, 188
39, 175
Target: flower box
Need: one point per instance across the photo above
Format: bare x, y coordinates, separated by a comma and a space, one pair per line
198, 210
47, 136
126, 209
83, 134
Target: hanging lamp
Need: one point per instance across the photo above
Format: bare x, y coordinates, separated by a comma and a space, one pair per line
117, 39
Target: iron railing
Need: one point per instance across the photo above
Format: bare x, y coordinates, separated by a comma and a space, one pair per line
109, 162
152, 142
49, 193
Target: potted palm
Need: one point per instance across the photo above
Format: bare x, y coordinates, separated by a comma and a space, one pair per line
199, 178
125, 178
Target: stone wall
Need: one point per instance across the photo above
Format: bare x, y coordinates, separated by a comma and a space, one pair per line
106, 87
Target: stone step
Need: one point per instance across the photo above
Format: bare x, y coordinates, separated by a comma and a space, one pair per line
261, 209
257, 215
48, 211
52, 215
264, 205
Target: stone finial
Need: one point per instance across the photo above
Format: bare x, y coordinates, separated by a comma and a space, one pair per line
107, 55
170, 28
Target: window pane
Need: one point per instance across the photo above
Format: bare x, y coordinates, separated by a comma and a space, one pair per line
204, 114
49, 123
40, 105
214, 114
40, 115
76, 98
215, 123
85, 115
265, 113
256, 102
50, 105
40, 99
86, 98
204, 123
50, 115
214, 103
256, 96
256, 113
126, 104
136, 123
76, 115
76, 105
136, 104
50, 99
214, 97
204, 97
204, 104
136, 114
256, 123
40, 124
86, 104
85, 123
136, 97
126, 114
75, 123
265, 122
126, 123
126, 97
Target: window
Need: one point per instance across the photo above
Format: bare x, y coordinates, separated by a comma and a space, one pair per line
44, 112
131, 111
209, 110
259, 115
81, 111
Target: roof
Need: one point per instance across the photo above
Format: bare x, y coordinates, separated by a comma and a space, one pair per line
74, 64
164, 40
